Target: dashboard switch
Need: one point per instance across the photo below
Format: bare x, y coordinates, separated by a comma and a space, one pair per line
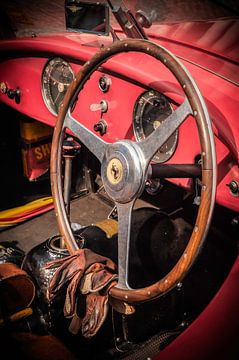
101, 127
14, 94
102, 106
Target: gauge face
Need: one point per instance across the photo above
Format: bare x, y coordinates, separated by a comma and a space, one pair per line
150, 110
56, 77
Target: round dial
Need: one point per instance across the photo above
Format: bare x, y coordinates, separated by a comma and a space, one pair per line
56, 77
150, 110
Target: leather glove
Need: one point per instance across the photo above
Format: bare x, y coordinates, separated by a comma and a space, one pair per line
87, 274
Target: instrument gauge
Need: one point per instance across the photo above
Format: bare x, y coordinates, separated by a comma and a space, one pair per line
56, 77
150, 110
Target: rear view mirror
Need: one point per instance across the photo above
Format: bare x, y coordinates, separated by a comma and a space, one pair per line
87, 17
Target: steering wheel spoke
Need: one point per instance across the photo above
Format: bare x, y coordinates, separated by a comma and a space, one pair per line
157, 138
96, 145
124, 227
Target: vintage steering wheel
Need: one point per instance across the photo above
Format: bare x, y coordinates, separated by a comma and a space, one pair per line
125, 166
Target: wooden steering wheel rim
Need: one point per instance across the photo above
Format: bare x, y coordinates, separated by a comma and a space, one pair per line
208, 156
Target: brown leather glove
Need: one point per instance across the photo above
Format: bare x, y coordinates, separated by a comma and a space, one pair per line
87, 274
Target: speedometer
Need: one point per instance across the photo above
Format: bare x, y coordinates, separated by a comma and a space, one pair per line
150, 110
56, 77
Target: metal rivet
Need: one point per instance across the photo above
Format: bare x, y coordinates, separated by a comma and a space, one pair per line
126, 296
179, 285
195, 113
184, 86
203, 153
149, 293
185, 255
147, 49
166, 281
204, 187
196, 228
164, 61
126, 45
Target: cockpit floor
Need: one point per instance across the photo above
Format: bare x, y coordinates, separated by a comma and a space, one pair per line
86, 210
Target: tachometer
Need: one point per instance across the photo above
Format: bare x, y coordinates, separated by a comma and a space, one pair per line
150, 110
56, 77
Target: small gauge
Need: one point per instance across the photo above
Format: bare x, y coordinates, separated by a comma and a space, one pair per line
150, 110
56, 78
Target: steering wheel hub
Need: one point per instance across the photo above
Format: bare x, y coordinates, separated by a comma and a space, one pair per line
122, 172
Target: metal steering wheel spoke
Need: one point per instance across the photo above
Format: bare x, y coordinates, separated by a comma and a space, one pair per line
159, 136
96, 145
124, 229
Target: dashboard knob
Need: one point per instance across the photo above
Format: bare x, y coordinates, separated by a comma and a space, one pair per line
101, 127
234, 187
104, 83
14, 94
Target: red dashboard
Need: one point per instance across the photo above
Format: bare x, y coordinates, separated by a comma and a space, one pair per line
130, 76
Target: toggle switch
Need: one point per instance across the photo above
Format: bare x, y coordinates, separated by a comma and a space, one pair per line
102, 106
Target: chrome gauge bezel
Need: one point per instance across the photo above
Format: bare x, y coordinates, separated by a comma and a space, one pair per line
47, 81
145, 99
